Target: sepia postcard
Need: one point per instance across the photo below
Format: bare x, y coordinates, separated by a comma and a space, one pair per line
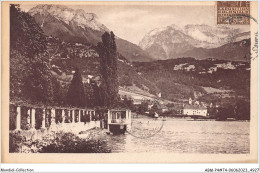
129, 82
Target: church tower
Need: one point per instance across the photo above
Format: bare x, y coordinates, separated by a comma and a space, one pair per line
190, 101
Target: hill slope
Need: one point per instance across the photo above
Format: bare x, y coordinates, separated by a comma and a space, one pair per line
77, 26
66, 56
183, 77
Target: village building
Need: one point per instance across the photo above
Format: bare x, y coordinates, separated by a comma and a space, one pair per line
164, 108
194, 109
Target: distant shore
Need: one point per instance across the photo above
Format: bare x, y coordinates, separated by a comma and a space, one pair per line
188, 118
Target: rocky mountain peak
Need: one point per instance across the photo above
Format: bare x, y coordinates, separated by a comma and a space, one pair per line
172, 41
78, 26
69, 15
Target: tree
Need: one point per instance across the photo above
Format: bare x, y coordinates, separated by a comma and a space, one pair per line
76, 95
30, 75
226, 111
242, 110
26, 36
38, 86
93, 95
58, 92
143, 107
108, 69
89, 95
128, 103
97, 99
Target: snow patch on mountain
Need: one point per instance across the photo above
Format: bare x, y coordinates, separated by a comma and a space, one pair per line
197, 35
157, 30
172, 41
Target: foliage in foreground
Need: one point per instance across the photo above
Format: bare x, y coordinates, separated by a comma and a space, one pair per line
70, 143
56, 143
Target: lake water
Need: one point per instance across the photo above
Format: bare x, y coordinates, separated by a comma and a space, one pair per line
185, 136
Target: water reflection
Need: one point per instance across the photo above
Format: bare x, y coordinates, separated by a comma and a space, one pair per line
184, 136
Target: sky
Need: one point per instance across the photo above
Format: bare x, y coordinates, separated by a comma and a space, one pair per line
132, 22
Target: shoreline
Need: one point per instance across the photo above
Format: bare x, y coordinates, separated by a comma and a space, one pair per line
188, 118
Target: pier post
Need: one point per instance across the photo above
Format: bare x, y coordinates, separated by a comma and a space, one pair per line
129, 119
80, 114
62, 116
18, 118
43, 119
129, 114
126, 114
95, 118
29, 117
108, 119
52, 117
108, 115
90, 116
33, 119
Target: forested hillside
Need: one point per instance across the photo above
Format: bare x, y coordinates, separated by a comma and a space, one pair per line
66, 56
30, 73
180, 78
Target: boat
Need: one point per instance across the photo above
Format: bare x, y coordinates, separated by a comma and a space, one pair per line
119, 120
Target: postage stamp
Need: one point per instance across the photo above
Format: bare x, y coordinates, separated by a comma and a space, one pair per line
237, 10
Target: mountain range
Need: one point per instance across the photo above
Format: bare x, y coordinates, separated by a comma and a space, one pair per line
198, 41
77, 26
72, 36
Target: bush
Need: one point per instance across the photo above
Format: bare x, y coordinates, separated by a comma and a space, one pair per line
15, 142
70, 143
56, 143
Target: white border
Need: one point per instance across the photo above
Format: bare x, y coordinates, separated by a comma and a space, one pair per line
127, 167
